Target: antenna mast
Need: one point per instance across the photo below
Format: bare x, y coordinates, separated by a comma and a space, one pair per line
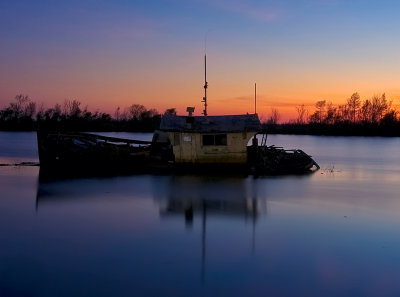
255, 98
205, 86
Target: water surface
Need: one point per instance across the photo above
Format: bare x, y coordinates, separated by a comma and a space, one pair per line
332, 233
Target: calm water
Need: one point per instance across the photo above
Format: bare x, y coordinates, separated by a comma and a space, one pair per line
333, 233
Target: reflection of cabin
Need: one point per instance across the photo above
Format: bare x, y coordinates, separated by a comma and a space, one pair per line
211, 139
222, 197
222, 206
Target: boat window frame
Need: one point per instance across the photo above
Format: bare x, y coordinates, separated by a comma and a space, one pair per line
215, 139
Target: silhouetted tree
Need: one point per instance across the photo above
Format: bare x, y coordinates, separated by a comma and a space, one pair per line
318, 115
274, 117
170, 111
117, 113
331, 114
149, 113
71, 109
136, 111
390, 118
353, 103
366, 112
302, 114
379, 107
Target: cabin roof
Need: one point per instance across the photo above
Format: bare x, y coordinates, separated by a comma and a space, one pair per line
202, 124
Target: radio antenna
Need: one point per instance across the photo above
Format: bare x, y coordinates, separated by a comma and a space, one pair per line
205, 86
255, 98
205, 75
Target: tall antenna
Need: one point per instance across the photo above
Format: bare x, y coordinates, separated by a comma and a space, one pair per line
205, 86
255, 98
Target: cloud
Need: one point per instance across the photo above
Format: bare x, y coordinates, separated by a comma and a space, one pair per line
253, 11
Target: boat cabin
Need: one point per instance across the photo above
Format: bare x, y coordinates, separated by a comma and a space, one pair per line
210, 139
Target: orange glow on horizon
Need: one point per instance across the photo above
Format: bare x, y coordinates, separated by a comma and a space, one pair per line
231, 88
241, 105
218, 104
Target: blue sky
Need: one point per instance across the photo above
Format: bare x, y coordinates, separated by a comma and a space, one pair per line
108, 53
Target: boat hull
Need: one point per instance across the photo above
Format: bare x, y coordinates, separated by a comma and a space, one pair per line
81, 154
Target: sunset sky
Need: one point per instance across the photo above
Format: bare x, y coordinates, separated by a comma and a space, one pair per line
115, 53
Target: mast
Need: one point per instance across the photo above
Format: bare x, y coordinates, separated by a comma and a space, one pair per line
255, 98
205, 86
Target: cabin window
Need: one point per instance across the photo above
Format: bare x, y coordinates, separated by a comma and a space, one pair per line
177, 139
215, 139
208, 139
220, 139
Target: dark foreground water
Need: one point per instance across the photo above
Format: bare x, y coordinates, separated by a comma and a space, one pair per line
333, 233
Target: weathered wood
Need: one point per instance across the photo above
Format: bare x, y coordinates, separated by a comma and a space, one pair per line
78, 152
100, 137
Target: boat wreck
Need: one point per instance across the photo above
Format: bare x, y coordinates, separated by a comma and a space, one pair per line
182, 144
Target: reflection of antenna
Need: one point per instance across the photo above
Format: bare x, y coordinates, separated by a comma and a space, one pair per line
254, 202
37, 197
254, 214
203, 243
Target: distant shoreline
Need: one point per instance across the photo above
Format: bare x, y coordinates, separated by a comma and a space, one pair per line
372, 117
344, 129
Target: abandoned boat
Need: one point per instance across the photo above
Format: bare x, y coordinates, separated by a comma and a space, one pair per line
183, 143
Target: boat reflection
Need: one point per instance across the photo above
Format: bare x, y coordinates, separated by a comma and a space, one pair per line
118, 190
215, 196
109, 201
203, 197
174, 195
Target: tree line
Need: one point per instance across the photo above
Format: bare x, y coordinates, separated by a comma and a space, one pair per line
23, 114
375, 116
375, 110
